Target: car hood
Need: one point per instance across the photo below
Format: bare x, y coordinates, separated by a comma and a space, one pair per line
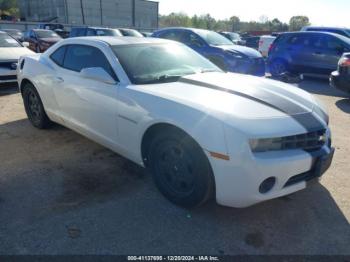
234, 95
13, 53
247, 51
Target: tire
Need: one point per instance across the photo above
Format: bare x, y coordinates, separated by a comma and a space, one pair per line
34, 108
278, 67
180, 169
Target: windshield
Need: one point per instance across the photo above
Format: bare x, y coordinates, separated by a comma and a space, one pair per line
159, 63
234, 36
130, 32
108, 32
213, 38
46, 34
8, 41
12, 32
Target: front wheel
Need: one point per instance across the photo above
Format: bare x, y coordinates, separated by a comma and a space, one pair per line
180, 169
278, 67
34, 107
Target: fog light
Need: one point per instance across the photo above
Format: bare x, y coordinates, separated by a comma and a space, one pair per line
267, 185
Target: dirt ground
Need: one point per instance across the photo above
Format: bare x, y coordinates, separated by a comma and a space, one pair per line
60, 193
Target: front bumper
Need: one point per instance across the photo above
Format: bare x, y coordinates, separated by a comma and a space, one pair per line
8, 76
238, 180
341, 82
252, 66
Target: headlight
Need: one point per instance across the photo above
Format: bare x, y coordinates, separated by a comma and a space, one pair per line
265, 144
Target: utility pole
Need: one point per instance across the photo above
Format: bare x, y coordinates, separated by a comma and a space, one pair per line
82, 11
101, 12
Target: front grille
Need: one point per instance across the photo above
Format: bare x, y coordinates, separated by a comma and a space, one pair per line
5, 78
312, 141
307, 176
8, 65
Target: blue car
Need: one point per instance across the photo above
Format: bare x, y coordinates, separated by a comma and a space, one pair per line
218, 49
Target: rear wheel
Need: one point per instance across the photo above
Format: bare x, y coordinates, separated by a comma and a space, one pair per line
180, 168
34, 107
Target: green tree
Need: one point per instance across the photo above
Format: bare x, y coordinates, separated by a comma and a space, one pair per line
298, 22
235, 22
9, 7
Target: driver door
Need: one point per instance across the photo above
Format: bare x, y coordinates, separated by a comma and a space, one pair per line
86, 104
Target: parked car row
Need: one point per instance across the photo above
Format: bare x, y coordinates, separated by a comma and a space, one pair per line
315, 50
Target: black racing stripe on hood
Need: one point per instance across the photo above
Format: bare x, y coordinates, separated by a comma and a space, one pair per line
302, 116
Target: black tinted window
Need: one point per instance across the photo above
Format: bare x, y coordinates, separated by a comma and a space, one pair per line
191, 39
171, 35
79, 57
76, 32
58, 55
303, 40
91, 32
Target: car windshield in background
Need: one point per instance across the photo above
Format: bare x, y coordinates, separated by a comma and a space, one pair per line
12, 32
108, 32
213, 38
160, 63
129, 32
234, 36
8, 41
46, 34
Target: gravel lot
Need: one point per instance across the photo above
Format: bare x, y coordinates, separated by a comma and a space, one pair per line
63, 194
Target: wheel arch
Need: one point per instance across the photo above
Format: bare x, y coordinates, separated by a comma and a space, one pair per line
25, 81
155, 129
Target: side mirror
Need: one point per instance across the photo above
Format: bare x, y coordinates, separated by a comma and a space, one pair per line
97, 74
25, 44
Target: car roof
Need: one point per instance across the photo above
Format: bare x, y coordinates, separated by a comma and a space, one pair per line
325, 27
36, 29
343, 38
90, 27
184, 28
119, 40
310, 32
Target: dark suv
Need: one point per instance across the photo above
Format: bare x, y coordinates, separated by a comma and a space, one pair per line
307, 52
94, 31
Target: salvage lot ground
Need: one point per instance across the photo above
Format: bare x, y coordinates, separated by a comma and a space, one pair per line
63, 194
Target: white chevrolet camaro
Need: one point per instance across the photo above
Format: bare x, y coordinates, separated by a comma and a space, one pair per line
202, 132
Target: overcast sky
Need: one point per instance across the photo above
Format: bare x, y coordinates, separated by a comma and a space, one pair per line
320, 12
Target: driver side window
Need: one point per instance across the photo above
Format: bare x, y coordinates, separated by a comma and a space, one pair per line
79, 57
191, 39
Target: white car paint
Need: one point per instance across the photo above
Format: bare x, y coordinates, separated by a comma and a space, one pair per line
117, 116
265, 43
8, 61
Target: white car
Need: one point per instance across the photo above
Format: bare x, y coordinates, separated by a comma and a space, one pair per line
265, 43
201, 131
10, 51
